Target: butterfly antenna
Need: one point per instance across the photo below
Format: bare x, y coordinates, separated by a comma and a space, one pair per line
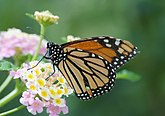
38, 61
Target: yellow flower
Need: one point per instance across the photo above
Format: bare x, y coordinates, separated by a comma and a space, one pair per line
41, 82
59, 102
61, 80
52, 92
66, 90
59, 92
30, 76
37, 71
32, 87
44, 93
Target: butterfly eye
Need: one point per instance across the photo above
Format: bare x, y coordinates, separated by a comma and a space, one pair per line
48, 44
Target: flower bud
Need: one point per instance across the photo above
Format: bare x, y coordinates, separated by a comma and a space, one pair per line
45, 18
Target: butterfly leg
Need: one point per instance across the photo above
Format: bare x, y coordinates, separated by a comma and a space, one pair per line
52, 72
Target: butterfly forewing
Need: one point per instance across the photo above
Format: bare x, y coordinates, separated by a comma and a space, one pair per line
115, 51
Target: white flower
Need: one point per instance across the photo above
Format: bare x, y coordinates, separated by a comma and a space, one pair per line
59, 102
31, 86
45, 17
44, 93
72, 38
29, 76
67, 90
59, 91
52, 92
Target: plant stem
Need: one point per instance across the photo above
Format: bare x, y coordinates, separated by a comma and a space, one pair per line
5, 83
42, 32
11, 111
10, 96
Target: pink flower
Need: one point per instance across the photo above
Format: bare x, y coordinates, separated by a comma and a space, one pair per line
16, 74
55, 110
64, 109
27, 98
36, 106
15, 41
19, 72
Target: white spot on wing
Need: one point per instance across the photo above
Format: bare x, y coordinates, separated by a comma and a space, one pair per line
101, 37
134, 52
100, 57
108, 45
106, 40
122, 57
79, 49
115, 63
117, 42
93, 55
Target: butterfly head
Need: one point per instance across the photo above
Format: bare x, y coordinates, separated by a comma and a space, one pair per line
55, 52
50, 44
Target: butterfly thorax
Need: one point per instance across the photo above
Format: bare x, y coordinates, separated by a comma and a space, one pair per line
55, 52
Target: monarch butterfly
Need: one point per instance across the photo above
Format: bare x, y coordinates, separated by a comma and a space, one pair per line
89, 65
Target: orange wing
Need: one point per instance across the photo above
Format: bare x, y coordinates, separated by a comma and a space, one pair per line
109, 48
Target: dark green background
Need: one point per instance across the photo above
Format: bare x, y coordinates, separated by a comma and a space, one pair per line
140, 21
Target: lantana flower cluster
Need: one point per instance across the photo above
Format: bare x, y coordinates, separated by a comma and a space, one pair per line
14, 40
46, 18
42, 90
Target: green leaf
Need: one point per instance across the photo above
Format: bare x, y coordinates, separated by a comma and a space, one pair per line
128, 75
6, 65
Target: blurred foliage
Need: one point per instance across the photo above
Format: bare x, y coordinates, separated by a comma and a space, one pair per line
128, 75
140, 21
6, 65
